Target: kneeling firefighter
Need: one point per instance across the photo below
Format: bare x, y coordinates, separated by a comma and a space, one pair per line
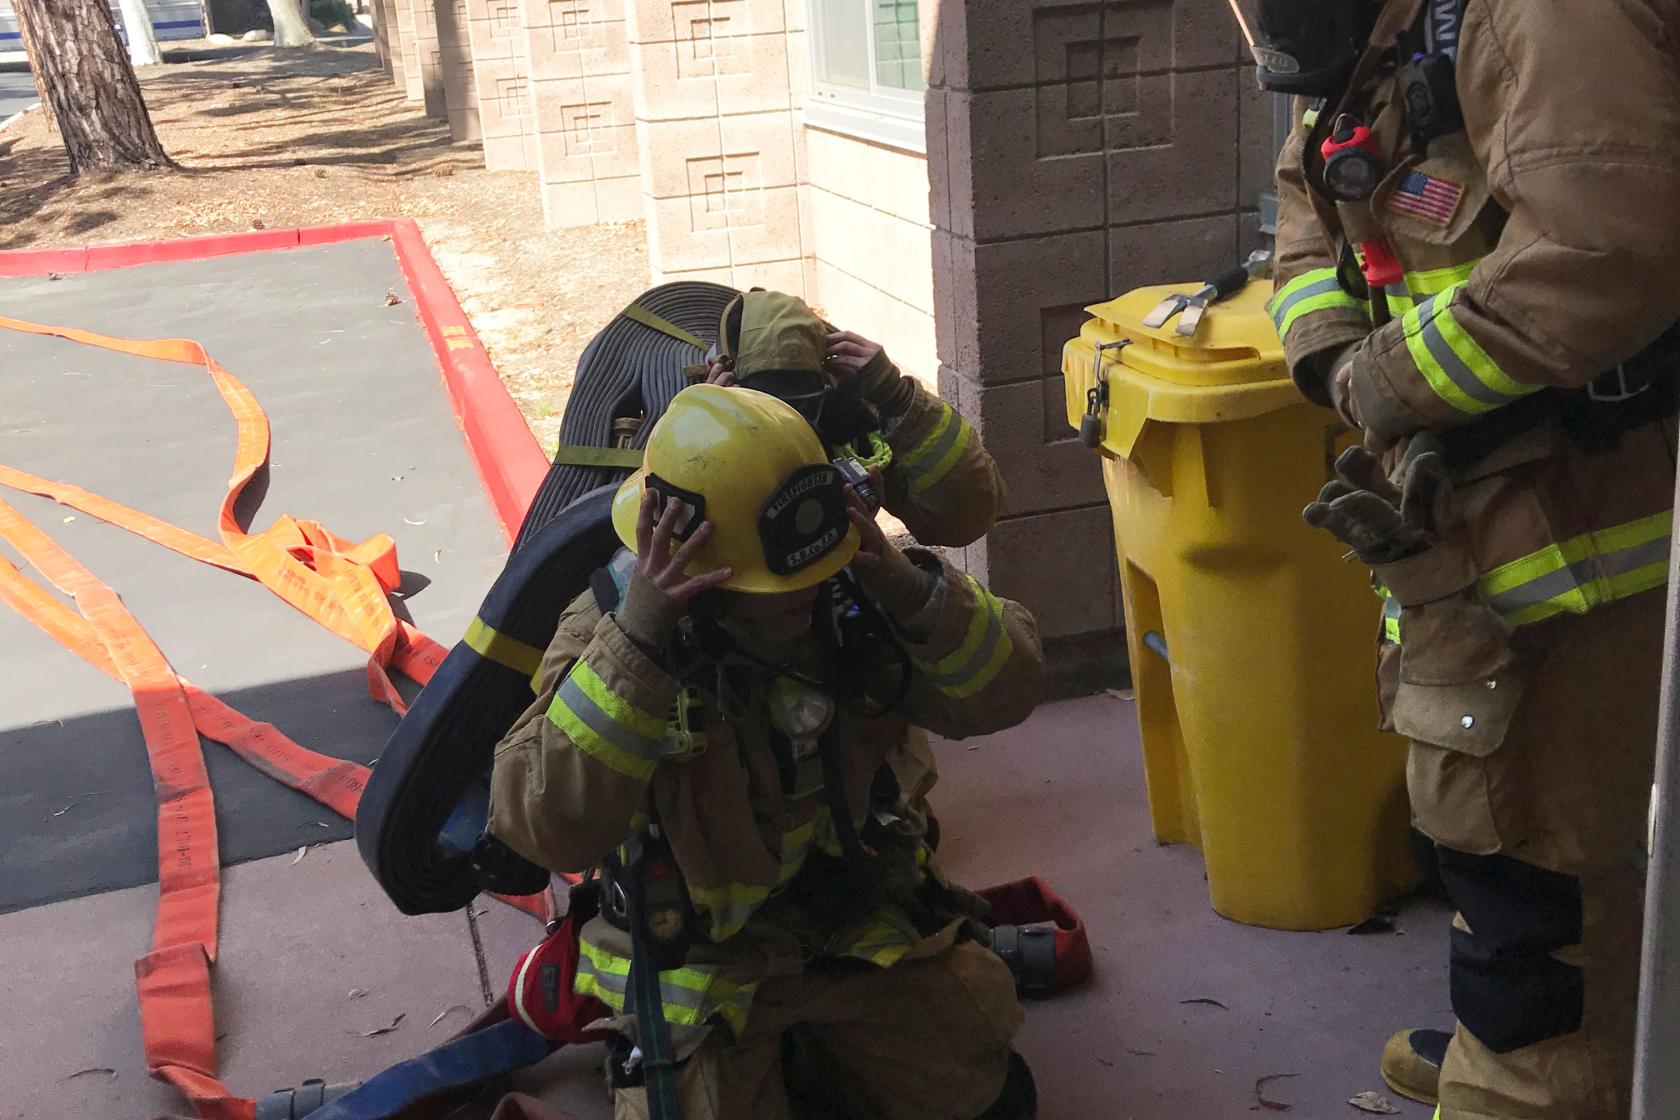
1479, 265
730, 727
937, 477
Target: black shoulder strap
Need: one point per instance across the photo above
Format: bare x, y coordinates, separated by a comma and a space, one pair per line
601, 582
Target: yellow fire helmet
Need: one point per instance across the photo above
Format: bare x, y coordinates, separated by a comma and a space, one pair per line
752, 466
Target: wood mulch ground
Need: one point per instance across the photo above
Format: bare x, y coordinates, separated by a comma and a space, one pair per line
273, 139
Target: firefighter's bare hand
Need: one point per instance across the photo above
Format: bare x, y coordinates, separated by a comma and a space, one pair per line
666, 567
719, 374
848, 353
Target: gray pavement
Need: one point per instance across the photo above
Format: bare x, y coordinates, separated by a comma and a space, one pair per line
17, 93
364, 441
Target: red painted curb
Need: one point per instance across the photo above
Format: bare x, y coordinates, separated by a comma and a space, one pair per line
510, 463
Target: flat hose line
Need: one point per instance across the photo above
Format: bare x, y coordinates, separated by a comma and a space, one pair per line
632, 367
340, 584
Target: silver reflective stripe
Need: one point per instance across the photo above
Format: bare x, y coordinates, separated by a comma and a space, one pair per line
1280, 312
593, 717
1582, 573
610, 981
982, 652
1451, 364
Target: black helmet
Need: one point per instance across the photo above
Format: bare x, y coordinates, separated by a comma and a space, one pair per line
1305, 47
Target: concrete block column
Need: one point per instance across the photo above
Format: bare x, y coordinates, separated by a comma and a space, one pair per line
720, 146
577, 54
455, 69
394, 64
423, 14
495, 30
381, 46
1076, 150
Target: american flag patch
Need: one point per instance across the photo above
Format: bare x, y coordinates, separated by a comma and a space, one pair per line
1426, 196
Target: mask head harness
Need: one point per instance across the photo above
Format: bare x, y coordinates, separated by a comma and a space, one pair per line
1305, 47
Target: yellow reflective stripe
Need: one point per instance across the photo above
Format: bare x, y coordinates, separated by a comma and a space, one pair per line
690, 995
927, 477
498, 647
936, 453
887, 938
1470, 352
729, 906
585, 739
1391, 617
1453, 364
1313, 290
1433, 281
985, 648
646, 725
1575, 575
604, 725
795, 843
928, 442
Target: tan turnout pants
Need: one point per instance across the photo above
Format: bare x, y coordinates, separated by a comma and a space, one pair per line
927, 1039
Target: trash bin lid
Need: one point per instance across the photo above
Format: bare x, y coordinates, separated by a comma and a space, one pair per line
1236, 343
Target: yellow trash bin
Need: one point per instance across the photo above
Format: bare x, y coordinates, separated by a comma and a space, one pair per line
1251, 639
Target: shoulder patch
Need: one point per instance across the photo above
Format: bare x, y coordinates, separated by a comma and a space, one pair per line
1428, 197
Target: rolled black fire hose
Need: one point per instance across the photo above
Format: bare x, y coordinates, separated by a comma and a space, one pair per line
425, 801
421, 816
632, 368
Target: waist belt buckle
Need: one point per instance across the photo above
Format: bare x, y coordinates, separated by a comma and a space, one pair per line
1614, 386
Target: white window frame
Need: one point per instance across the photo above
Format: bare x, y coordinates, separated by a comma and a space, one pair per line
894, 117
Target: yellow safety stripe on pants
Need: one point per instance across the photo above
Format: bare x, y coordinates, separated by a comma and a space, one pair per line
729, 906
885, 940
1583, 572
984, 650
606, 726
691, 995
519, 656
932, 458
1314, 290
1452, 363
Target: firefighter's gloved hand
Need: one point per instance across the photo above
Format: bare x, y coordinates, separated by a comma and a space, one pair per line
1379, 521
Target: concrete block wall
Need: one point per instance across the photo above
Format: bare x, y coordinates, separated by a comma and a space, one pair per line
424, 15
455, 65
393, 62
871, 242
577, 54
1076, 150
408, 46
381, 47
711, 84
496, 32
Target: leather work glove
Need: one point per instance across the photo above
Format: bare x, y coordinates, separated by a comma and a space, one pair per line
1379, 521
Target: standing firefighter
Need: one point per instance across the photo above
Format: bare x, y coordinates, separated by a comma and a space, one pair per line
1479, 265
730, 725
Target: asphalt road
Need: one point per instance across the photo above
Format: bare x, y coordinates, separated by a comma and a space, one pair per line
17, 92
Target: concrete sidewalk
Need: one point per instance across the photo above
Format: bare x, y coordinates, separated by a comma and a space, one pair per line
1061, 796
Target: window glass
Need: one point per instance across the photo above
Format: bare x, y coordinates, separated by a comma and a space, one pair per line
898, 45
842, 46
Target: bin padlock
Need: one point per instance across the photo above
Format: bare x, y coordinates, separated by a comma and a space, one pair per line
1096, 397
1090, 425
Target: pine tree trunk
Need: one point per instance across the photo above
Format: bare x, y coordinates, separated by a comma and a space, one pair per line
291, 29
142, 40
83, 73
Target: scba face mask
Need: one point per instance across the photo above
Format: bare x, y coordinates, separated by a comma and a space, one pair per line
1305, 47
